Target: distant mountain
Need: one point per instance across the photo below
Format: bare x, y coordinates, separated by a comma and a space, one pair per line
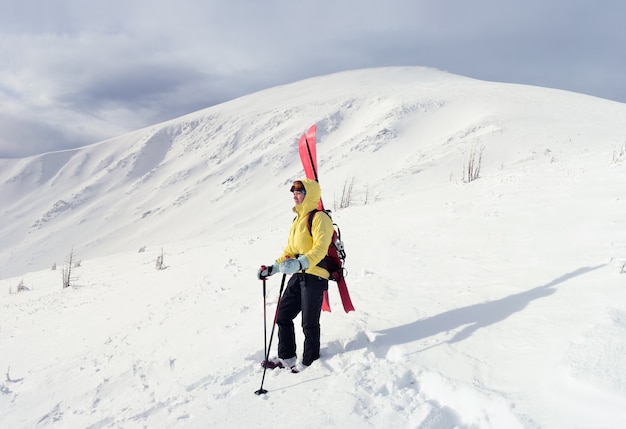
175, 180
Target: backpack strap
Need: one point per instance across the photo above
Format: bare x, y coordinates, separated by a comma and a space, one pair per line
323, 263
309, 222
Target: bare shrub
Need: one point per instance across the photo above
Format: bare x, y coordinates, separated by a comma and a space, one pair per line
619, 154
346, 194
22, 287
160, 263
68, 274
471, 169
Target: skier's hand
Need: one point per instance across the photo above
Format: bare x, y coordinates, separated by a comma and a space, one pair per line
290, 266
304, 262
267, 270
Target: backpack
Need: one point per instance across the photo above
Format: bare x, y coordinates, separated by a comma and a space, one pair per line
336, 254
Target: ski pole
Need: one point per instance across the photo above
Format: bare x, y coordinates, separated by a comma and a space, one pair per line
264, 317
262, 391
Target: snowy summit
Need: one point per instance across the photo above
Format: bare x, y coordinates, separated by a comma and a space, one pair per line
486, 258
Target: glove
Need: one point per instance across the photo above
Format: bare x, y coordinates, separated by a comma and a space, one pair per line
304, 262
266, 271
290, 266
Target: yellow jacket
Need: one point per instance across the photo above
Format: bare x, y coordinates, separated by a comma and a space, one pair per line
314, 245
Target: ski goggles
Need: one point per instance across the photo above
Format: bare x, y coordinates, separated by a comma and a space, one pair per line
298, 187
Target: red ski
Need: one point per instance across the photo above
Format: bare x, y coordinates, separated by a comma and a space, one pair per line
345, 295
308, 156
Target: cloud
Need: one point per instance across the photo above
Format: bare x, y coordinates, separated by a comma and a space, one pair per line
20, 129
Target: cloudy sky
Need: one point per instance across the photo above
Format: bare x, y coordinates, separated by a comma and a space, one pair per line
75, 72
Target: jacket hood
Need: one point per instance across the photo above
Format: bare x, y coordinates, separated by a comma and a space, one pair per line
312, 197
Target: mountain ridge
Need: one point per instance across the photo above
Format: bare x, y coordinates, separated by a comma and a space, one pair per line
153, 179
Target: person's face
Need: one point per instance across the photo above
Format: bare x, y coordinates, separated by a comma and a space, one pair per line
298, 192
298, 197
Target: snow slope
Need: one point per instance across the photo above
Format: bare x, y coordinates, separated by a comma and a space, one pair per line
498, 303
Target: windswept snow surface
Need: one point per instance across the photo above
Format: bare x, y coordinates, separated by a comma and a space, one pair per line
499, 303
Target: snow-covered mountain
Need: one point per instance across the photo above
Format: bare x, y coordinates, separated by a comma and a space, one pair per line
492, 303
384, 128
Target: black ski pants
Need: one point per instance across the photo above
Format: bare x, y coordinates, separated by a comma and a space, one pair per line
304, 293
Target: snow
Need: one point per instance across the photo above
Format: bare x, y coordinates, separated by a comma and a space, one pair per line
499, 303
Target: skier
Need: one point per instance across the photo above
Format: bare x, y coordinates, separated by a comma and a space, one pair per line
305, 289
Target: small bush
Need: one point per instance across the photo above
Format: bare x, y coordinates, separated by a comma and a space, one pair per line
22, 287
160, 263
619, 154
67, 273
471, 170
346, 194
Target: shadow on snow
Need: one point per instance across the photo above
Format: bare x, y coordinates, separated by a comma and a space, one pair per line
471, 318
